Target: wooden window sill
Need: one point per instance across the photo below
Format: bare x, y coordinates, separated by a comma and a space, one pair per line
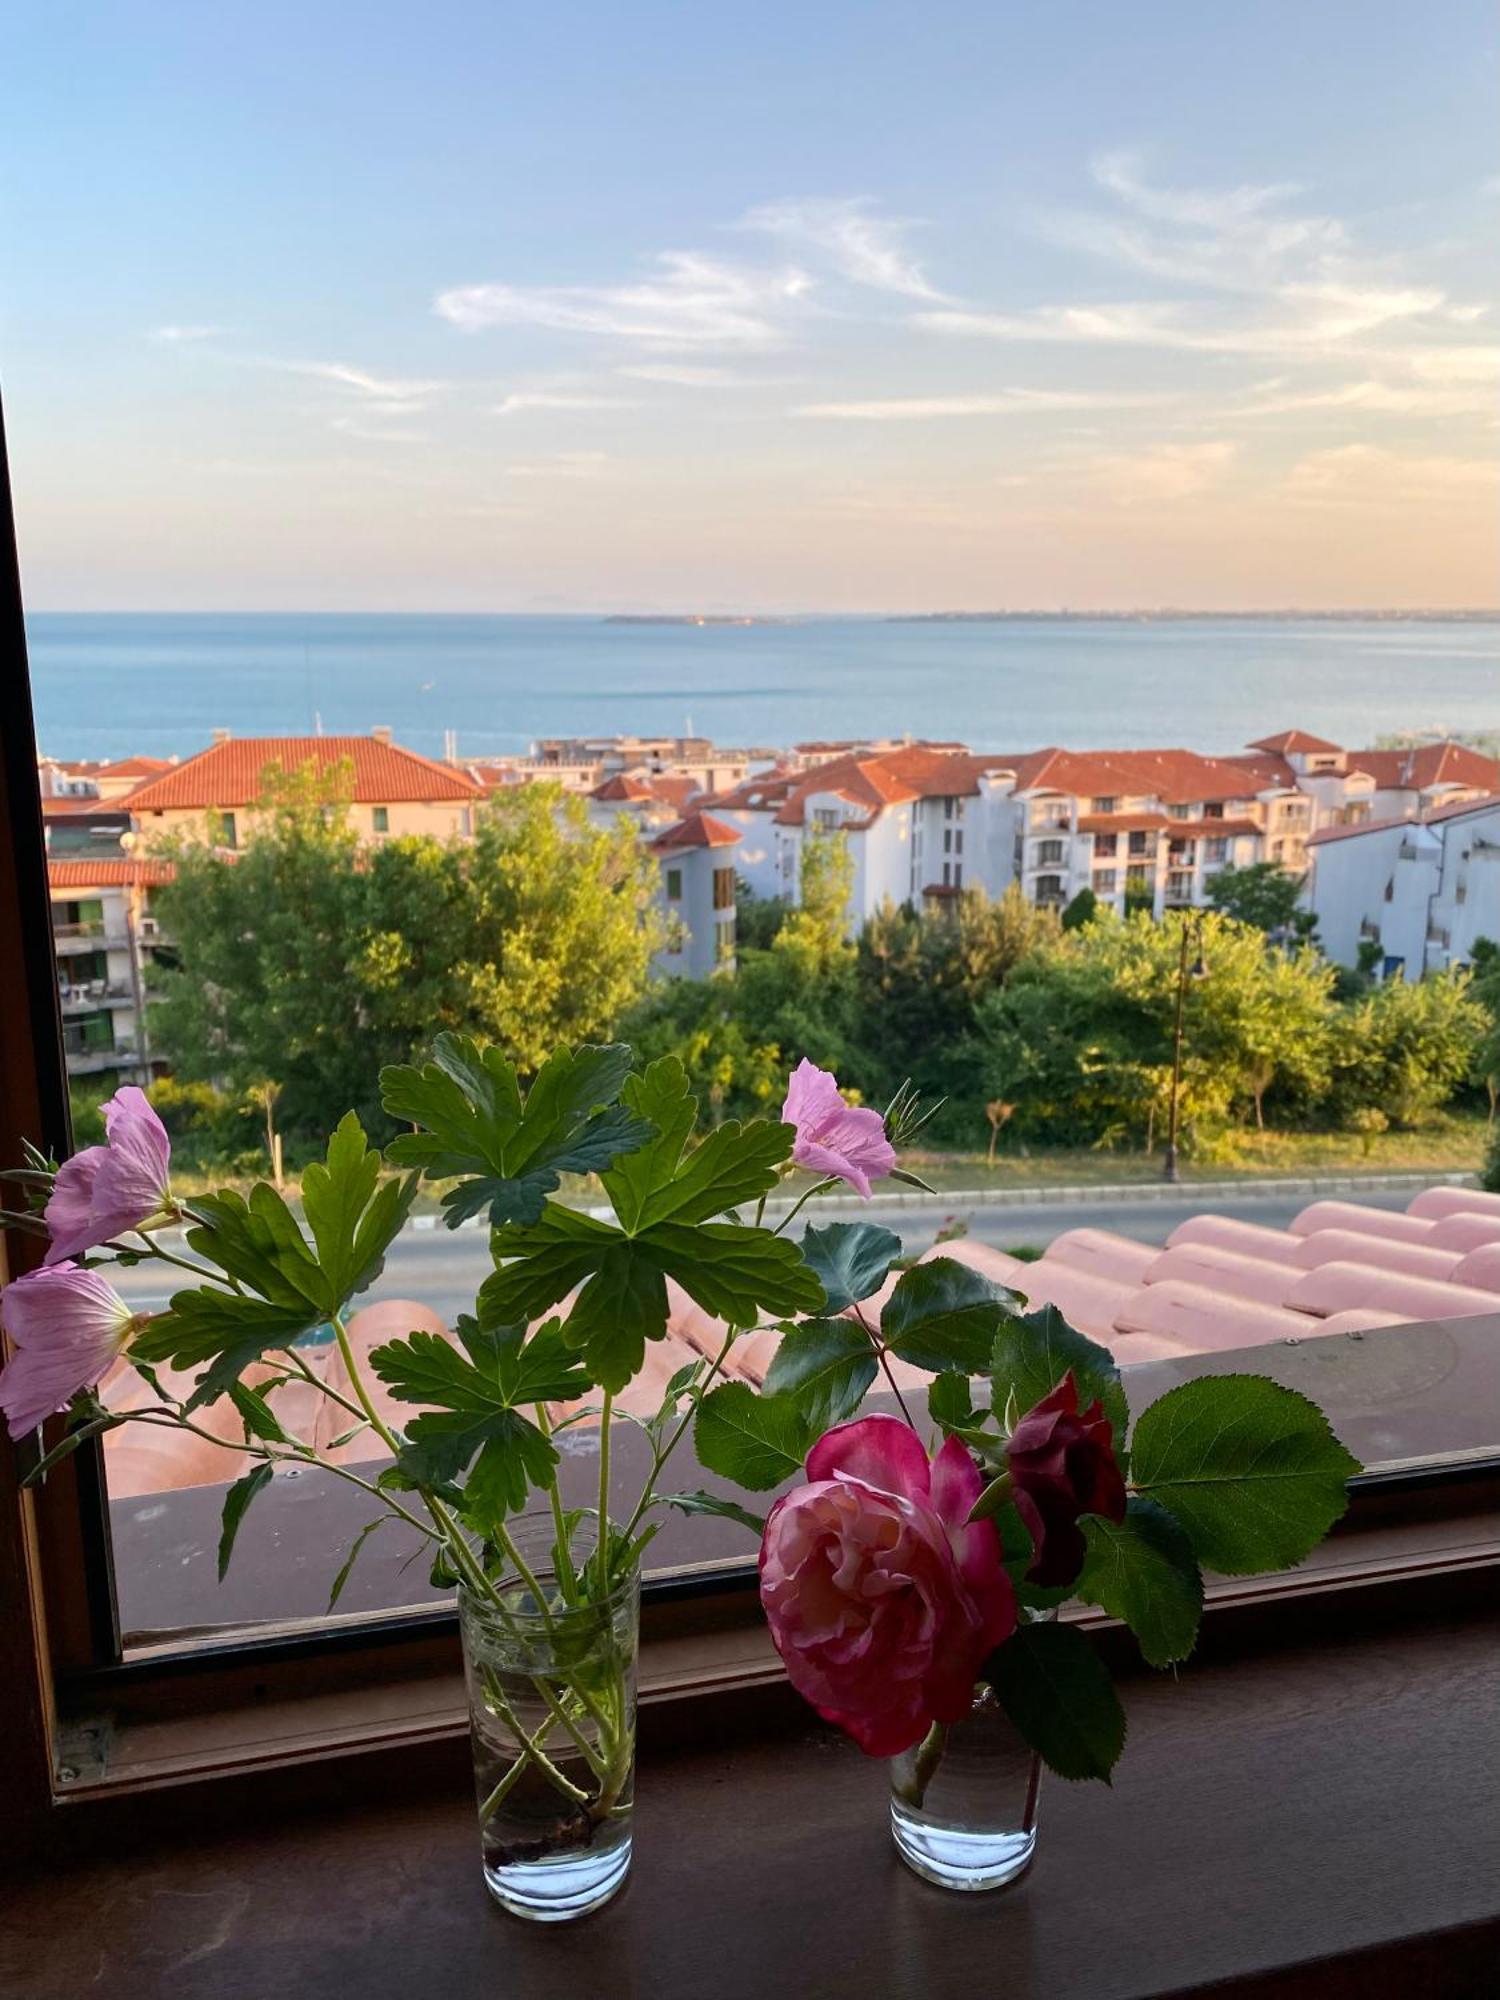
1316, 1819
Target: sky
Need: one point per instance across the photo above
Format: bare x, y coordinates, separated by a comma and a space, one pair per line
842, 305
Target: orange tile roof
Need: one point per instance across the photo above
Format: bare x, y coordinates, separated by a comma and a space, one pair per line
622, 790
109, 873
1426, 765
1325, 834
92, 808
1293, 739
230, 774
675, 789
757, 794
1177, 777
133, 767
699, 829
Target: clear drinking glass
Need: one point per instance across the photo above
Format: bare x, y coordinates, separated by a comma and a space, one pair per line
964, 1800
551, 1686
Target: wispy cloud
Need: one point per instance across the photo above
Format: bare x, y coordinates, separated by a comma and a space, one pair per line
691, 375
1003, 403
368, 433
565, 465
1378, 480
1165, 472
178, 336
862, 246
691, 301
392, 393
553, 399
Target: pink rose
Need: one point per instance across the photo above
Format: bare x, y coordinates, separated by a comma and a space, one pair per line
67, 1325
1062, 1464
106, 1189
883, 1599
833, 1137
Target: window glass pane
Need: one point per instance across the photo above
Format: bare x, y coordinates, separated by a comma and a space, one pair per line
766, 609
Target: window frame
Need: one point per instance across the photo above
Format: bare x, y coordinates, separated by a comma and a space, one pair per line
62, 1635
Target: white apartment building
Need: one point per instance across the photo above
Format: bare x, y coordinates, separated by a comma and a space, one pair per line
696, 860
105, 938
1423, 890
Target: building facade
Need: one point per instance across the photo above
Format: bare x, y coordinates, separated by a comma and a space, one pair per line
106, 940
695, 857
1415, 895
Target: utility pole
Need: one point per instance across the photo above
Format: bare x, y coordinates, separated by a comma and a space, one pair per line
1195, 930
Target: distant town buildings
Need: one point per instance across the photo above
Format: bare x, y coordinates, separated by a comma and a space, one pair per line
1400, 848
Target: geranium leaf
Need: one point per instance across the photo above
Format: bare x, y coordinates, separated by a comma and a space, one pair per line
236, 1503
826, 1367
1032, 1353
659, 1183
944, 1316
1253, 1471
1143, 1570
852, 1259
1057, 1692
353, 1556
757, 1441
510, 1154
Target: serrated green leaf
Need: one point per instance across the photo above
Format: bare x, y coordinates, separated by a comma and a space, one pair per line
732, 1271
1143, 1570
826, 1367
1252, 1471
852, 1260
260, 1418
510, 1155
225, 1329
655, 1183
1034, 1351
513, 1458
236, 1502
257, 1242
944, 1316
757, 1441
1057, 1692
712, 1503
335, 1194
347, 1567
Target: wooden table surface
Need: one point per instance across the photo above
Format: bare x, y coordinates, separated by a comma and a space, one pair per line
1268, 1813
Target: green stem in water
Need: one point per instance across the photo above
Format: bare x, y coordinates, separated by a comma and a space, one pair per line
929, 1755
602, 1552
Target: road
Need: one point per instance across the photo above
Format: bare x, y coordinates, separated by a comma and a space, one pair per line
445, 1268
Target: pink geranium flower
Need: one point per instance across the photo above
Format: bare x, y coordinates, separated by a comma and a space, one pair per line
116, 1186
67, 1324
834, 1137
883, 1598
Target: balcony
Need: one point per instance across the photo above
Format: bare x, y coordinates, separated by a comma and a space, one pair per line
69, 938
97, 993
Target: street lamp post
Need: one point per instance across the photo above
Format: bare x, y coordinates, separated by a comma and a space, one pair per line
1191, 933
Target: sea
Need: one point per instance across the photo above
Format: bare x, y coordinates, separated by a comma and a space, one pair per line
109, 684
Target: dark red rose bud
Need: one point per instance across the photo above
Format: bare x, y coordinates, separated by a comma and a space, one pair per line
1062, 1464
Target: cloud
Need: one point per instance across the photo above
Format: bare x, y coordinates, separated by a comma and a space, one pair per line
1004, 403
1165, 472
690, 375
1370, 477
548, 399
391, 395
565, 465
692, 301
867, 249
375, 433
1382, 398
177, 336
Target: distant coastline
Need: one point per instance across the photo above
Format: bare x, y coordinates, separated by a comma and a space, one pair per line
687, 618
1169, 615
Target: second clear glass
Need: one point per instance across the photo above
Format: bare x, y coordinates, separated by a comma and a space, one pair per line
964, 1800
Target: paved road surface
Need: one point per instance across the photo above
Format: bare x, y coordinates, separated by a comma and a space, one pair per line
444, 1269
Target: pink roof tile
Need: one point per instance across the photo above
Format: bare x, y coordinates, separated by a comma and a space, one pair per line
1251, 1239
1461, 1231
1334, 1288
1434, 1203
1217, 1270
1102, 1254
1210, 1322
1393, 1226
1350, 1246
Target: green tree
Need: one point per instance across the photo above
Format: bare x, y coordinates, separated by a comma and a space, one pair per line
1408, 1046
1082, 910
757, 919
699, 1021
1263, 894
309, 962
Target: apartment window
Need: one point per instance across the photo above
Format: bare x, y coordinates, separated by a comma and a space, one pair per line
724, 940
1214, 809
947, 808
947, 874
1105, 845
825, 819
1179, 812
723, 889
674, 885
947, 840
1104, 805
1140, 843
228, 831
958, 841
380, 819
1049, 853
1215, 850
1179, 885
1104, 882
1136, 876
958, 876
1049, 888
